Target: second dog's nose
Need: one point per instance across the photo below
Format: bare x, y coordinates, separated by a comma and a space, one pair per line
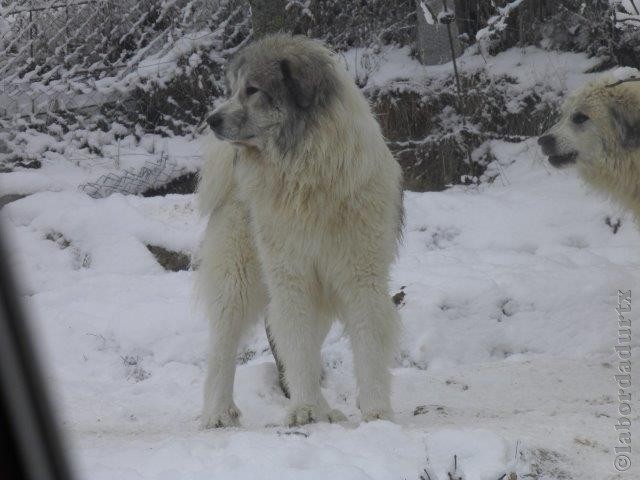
547, 142
214, 121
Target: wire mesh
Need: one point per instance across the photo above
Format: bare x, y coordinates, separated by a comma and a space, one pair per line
153, 174
70, 69
66, 55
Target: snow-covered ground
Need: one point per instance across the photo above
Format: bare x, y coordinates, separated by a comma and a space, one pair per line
506, 358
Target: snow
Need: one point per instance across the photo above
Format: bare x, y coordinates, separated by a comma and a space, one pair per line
627, 4
498, 22
508, 325
625, 73
508, 319
428, 16
529, 66
159, 47
77, 166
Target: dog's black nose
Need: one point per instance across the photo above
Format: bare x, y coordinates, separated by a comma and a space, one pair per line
547, 142
214, 121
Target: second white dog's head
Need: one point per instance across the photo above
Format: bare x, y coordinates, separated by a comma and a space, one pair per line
599, 124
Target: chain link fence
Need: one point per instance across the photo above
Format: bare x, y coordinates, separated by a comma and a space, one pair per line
86, 81
77, 76
66, 55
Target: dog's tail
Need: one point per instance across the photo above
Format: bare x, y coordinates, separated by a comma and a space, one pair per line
216, 177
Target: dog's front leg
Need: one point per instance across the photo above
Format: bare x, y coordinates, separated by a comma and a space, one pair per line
219, 409
234, 295
372, 323
236, 308
292, 318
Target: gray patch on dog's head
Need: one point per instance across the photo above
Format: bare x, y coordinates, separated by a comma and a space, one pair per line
310, 81
627, 123
305, 82
300, 87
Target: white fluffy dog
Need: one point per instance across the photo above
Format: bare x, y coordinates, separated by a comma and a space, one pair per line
305, 205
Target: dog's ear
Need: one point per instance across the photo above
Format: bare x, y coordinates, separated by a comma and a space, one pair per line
299, 83
626, 119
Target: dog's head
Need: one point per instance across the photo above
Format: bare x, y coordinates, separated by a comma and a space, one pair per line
276, 88
599, 123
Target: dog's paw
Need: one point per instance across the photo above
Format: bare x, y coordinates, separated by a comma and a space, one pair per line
336, 416
221, 418
304, 414
376, 414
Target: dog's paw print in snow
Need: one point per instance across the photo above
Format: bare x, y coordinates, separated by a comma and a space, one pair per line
406, 360
575, 241
293, 432
439, 238
58, 239
508, 307
455, 309
454, 383
425, 409
104, 343
133, 368
501, 352
80, 259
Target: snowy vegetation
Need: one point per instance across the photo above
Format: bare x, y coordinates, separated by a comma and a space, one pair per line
505, 283
89, 84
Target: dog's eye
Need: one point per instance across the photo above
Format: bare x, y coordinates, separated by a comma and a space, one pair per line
579, 118
250, 91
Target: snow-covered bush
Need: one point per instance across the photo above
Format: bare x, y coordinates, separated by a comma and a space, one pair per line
435, 136
175, 100
607, 29
149, 67
356, 24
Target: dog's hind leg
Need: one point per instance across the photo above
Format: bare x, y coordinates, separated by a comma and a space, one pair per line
372, 322
231, 286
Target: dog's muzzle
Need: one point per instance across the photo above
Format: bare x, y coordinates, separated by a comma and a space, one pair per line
548, 145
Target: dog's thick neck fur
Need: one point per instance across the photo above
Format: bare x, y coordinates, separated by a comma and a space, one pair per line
618, 173
620, 183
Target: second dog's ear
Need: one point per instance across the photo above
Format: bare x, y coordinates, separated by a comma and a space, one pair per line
301, 86
626, 119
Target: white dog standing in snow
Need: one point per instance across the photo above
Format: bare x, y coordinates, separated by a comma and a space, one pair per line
305, 205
